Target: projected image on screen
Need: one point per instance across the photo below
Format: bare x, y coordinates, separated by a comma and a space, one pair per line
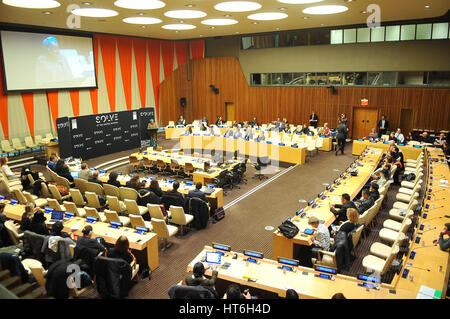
34, 61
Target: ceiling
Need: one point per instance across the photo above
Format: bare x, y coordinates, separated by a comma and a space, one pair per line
390, 11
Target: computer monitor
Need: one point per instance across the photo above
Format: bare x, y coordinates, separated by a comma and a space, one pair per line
74, 174
364, 277
328, 270
254, 254
142, 230
221, 247
287, 261
58, 215
213, 258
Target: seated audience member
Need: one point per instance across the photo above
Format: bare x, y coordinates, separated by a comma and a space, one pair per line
63, 170
399, 136
6, 170
254, 122
338, 295
374, 191
87, 248
121, 250
3, 218
352, 221
260, 137
298, 130
234, 292
342, 212
112, 180
57, 230
325, 130
174, 191
204, 126
365, 203
235, 124
94, 178
187, 131
219, 121
229, 133
237, 133
248, 134
397, 159
197, 278
373, 135
440, 140
38, 225
85, 172
154, 187
446, 149
181, 120
291, 294
198, 193
305, 129
424, 138
25, 222
392, 136
444, 243
321, 237
52, 162
134, 182
204, 120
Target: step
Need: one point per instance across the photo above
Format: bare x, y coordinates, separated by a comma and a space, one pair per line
112, 161
22, 164
117, 165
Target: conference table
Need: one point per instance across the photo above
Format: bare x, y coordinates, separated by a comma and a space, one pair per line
409, 151
277, 153
147, 242
199, 174
319, 207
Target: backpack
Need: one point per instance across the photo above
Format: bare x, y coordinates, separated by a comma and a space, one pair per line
409, 177
288, 229
218, 215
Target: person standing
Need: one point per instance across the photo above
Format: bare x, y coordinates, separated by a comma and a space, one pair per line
313, 119
341, 134
383, 126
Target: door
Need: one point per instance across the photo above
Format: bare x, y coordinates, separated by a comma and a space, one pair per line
406, 121
364, 119
230, 111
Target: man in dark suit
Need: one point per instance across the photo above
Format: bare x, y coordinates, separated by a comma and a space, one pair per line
341, 214
365, 203
198, 193
383, 126
94, 178
204, 120
374, 191
248, 134
313, 119
174, 192
197, 278
340, 137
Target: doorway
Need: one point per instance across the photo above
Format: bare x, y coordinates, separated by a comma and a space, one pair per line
364, 119
230, 111
406, 121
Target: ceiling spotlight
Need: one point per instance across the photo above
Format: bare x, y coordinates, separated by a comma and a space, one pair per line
47, 12
299, 1
143, 26
237, 32
364, 12
213, 27
139, 4
200, 35
255, 22
87, 3
227, 15
190, 5
94, 12
33, 4
141, 13
305, 18
325, 9
427, 7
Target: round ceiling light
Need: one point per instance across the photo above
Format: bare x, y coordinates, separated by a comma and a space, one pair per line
266, 16
219, 21
180, 26
237, 6
185, 14
95, 12
326, 9
140, 4
142, 20
33, 4
299, 1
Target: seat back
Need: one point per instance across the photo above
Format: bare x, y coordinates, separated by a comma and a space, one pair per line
6, 147
55, 192
394, 251
44, 190
29, 142
160, 164
113, 203
178, 216
80, 184
111, 190
62, 181
28, 196
160, 228
128, 193
155, 211
92, 212
356, 235
49, 136
16, 143
132, 207
136, 220
38, 272
94, 188
146, 162
188, 168
53, 203
50, 173
53, 174
77, 197
12, 231
71, 207
92, 199
31, 178
20, 197
134, 161
38, 139
5, 184
111, 216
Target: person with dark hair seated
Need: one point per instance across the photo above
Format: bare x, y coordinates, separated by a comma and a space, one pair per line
112, 180
87, 248
85, 172
197, 277
444, 243
94, 178
174, 192
134, 183
57, 230
198, 193
38, 225
365, 203
154, 187
374, 191
338, 295
25, 222
121, 250
291, 294
341, 214
3, 218
234, 292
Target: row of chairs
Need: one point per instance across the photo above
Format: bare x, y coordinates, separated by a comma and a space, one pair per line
29, 143
393, 233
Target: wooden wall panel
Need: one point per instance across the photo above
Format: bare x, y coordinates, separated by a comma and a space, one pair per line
431, 106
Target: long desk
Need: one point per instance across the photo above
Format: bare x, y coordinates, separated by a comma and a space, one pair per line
139, 242
270, 278
284, 247
175, 132
250, 148
409, 152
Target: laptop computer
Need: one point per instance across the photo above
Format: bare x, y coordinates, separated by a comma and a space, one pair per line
57, 215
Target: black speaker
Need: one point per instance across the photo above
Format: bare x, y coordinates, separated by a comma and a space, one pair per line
216, 90
183, 101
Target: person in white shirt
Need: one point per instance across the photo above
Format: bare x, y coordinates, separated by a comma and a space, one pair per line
440, 140
399, 136
6, 170
321, 238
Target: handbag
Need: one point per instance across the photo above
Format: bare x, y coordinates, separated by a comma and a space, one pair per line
288, 229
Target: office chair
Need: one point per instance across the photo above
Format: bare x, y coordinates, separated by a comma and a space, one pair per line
261, 162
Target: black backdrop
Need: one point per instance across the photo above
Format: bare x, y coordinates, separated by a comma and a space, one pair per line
96, 135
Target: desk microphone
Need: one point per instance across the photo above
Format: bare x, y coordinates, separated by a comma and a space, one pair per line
424, 231
429, 208
419, 268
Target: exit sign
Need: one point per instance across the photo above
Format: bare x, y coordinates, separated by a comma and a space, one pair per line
364, 102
